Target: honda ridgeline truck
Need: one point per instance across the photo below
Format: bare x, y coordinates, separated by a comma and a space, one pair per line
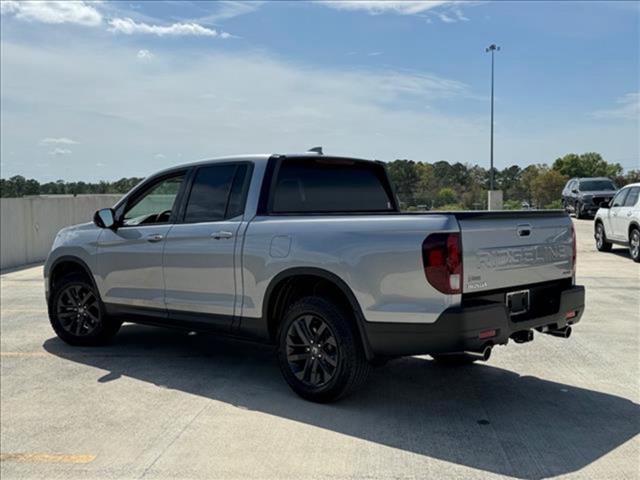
311, 253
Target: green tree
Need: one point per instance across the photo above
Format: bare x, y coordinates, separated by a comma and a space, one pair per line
405, 178
547, 186
446, 196
590, 164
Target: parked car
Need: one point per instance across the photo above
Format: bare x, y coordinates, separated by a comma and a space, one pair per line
583, 196
619, 222
311, 253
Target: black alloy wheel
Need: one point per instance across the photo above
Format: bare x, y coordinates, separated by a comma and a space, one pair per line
77, 314
312, 350
320, 352
78, 310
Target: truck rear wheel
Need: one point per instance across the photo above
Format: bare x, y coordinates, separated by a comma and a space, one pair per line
319, 351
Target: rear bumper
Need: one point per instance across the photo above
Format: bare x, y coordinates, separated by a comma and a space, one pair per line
458, 328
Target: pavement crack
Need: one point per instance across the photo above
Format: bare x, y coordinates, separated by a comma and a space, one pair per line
176, 437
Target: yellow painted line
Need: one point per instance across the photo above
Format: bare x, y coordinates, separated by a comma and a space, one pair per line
45, 458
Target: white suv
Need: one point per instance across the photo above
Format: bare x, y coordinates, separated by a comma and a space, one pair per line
619, 222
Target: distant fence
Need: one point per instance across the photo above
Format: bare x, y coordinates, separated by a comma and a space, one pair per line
29, 225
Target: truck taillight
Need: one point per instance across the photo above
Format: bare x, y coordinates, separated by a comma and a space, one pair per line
574, 249
442, 260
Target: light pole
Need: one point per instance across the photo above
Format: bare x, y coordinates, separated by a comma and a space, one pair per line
492, 48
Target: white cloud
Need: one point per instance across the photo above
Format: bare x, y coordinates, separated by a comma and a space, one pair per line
447, 11
128, 26
446, 18
224, 10
60, 151
55, 12
159, 156
210, 104
628, 108
144, 54
57, 141
377, 7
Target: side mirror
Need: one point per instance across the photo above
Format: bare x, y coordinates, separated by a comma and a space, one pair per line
105, 218
575, 190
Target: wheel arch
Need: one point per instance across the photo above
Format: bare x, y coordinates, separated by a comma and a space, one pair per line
68, 264
295, 282
632, 225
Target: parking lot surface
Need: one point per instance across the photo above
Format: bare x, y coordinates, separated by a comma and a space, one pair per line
161, 404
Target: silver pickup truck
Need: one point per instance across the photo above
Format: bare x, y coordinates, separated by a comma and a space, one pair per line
311, 253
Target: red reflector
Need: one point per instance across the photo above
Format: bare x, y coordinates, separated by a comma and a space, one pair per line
487, 334
571, 314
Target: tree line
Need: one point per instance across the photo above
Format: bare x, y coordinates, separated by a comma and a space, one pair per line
445, 186
420, 185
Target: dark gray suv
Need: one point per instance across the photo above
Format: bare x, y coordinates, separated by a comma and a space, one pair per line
583, 196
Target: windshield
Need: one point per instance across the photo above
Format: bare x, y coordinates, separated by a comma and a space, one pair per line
593, 185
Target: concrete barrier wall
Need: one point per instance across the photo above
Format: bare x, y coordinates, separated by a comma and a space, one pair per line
28, 225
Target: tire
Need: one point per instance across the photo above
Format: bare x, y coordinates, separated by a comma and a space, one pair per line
329, 366
634, 244
601, 239
453, 359
77, 313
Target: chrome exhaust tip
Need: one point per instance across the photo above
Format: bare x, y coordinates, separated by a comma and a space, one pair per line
483, 354
564, 332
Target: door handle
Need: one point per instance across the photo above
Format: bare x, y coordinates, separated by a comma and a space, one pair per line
222, 234
155, 237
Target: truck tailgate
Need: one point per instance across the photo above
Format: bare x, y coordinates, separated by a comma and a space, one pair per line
508, 249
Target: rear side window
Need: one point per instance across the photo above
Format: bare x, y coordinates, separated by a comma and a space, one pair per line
632, 197
621, 196
330, 186
216, 193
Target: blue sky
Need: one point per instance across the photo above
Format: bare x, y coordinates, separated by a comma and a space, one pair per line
102, 90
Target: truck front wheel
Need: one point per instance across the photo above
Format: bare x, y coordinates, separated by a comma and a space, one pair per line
319, 351
77, 314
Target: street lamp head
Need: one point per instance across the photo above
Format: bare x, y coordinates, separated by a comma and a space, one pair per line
492, 47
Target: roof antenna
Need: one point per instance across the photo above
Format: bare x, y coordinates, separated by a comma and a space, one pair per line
317, 150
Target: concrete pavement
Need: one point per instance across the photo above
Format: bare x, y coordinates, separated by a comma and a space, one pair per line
161, 404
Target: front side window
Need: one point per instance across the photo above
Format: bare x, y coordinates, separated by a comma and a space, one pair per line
216, 193
330, 185
618, 200
155, 205
596, 185
632, 197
